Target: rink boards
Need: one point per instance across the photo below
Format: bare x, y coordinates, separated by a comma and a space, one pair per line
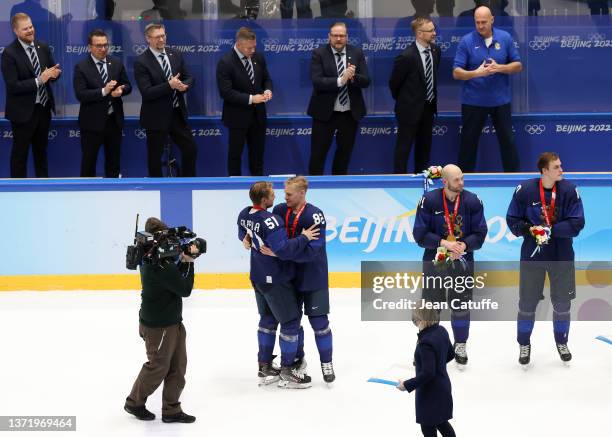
72, 234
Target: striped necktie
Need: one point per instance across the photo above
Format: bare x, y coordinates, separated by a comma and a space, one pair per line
104, 76
249, 69
429, 76
168, 73
42, 91
343, 93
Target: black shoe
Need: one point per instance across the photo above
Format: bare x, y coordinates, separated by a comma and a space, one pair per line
268, 373
525, 354
460, 354
178, 418
564, 352
141, 413
291, 377
328, 372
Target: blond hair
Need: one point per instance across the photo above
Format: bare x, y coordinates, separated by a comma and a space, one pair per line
19, 16
428, 316
299, 181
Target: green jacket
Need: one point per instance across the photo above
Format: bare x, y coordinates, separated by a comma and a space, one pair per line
163, 290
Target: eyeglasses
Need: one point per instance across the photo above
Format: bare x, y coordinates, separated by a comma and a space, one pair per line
336, 36
158, 37
427, 30
100, 46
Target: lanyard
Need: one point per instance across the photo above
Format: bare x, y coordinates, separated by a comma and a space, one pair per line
545, 210
450, 223
291, 232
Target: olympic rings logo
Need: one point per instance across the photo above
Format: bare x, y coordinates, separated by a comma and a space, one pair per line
535, 129
139, 49
597, 36
269, 41
444, 45
52, 134
439, 131
141, 134
539, 45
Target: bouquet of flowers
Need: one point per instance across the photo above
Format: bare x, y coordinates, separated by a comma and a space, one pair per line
541, 235
442, 257
433, 172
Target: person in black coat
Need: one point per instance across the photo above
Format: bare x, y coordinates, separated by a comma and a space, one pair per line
245, 86
100, 82
338, 72
434, 399
413, 85
28, 69
163, 79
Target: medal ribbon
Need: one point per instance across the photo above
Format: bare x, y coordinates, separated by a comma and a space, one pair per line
450, 223
291, 232
552, 203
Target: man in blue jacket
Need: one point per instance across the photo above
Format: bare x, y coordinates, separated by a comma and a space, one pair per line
484, 61
272, 278
552, 205
452, 218
311, 278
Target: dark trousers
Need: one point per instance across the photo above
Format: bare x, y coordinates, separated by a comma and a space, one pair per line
302, 6
446, 430
36, 132
180, 133
333, 8
420, 134
167, 363
345, 127
473, 119
255, 137
90, 145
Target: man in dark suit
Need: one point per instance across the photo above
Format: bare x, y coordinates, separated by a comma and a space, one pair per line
163, 80
413, 85
245, 87
338, 72
99, 82
28, 68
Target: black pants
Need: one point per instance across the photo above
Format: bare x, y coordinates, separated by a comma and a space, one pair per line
473, 119
420, 134
36, 132
255, 137
302, 6
333, 8
446, 430
345, 127
90, 145
181, 134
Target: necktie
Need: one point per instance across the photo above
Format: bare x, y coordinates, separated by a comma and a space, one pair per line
42, 91
249, 69
429, 76
168, 73
343, 93
104, 77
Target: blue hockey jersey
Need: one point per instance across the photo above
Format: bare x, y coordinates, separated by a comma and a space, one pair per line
311, 265
267, 229
430, 226
567, 219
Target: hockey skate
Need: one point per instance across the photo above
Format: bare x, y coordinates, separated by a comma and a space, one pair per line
328, 372
564, 353
461, 357
292, 377
268, 373
525, 356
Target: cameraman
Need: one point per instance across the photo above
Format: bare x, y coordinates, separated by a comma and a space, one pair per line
163, 287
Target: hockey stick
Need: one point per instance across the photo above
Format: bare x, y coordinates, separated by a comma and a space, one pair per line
383, 381
604, 339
